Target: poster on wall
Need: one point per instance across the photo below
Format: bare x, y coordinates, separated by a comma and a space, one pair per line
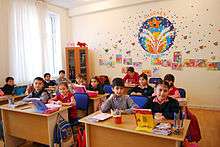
166, 63
195, 62
176, 66
137, 65
118, 58
213, 66
148, 72
127, 61
177, 57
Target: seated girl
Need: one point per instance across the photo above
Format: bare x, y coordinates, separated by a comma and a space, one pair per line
143, 89
65, 97
80, 80
95, 86
173, 91
162, 105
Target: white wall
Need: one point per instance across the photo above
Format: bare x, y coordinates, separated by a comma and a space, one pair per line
4, 54
101, 30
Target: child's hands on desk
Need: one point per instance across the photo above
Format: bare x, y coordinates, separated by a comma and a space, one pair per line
159, 117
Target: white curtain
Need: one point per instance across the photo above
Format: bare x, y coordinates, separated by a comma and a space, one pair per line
29, 40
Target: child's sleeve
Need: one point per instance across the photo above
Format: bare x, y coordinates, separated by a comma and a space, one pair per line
27, 98
44, 97
107, 105
131, 105
172, 107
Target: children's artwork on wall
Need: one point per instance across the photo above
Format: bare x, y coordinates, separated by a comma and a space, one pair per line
119, 58
124, 70
201, 62
195, 63
156, 35
156, 61
166, 63
148, 72
156, 72
127, 61
189, 63
213, 66
177, 57
107, 63
101, 62
176, 66
137, 65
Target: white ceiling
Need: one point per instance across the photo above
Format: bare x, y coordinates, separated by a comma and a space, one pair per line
72, 3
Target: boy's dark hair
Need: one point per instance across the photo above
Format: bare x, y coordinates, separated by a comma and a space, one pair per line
118, 82
46, 74
131, 69
62, 71
9, 78
143, 75
39, 79
169, 77
163, 83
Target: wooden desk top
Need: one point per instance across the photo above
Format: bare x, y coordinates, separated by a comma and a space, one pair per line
99, 96
29, 108
129, 125
5, 97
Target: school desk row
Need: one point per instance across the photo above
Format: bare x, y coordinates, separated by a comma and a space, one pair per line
23, 123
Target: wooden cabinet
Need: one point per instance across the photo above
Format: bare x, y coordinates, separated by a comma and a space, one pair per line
77, 62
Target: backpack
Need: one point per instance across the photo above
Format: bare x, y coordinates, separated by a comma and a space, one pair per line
63, 134
81, 137
193, 133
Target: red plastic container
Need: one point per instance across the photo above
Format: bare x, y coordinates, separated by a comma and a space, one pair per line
118, 119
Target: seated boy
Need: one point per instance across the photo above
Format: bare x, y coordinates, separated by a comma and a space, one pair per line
118, 100
48, 83
9, 86
173, 91
131, 76
62, 78
38, 91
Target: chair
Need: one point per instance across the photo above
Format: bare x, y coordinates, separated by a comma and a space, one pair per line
82, 101
182, 92
107, 88
154, 80
103, 79
139, 100
20, 90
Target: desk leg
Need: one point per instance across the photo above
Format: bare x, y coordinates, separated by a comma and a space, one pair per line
178, 143
10, 141
87, 135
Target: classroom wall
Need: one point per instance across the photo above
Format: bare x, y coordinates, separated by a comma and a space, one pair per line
4, 55
4, 47
115, 31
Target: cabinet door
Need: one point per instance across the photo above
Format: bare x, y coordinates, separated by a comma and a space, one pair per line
83, 62
70, 59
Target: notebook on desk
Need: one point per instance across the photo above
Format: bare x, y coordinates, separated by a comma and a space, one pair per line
40, 107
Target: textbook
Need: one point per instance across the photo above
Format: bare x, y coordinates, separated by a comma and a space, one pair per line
144, 120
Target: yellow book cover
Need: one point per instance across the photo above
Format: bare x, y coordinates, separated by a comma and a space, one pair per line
144, 120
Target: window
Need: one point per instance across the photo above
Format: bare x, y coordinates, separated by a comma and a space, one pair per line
54, 58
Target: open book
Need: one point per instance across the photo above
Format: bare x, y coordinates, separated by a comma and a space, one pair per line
100, 117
